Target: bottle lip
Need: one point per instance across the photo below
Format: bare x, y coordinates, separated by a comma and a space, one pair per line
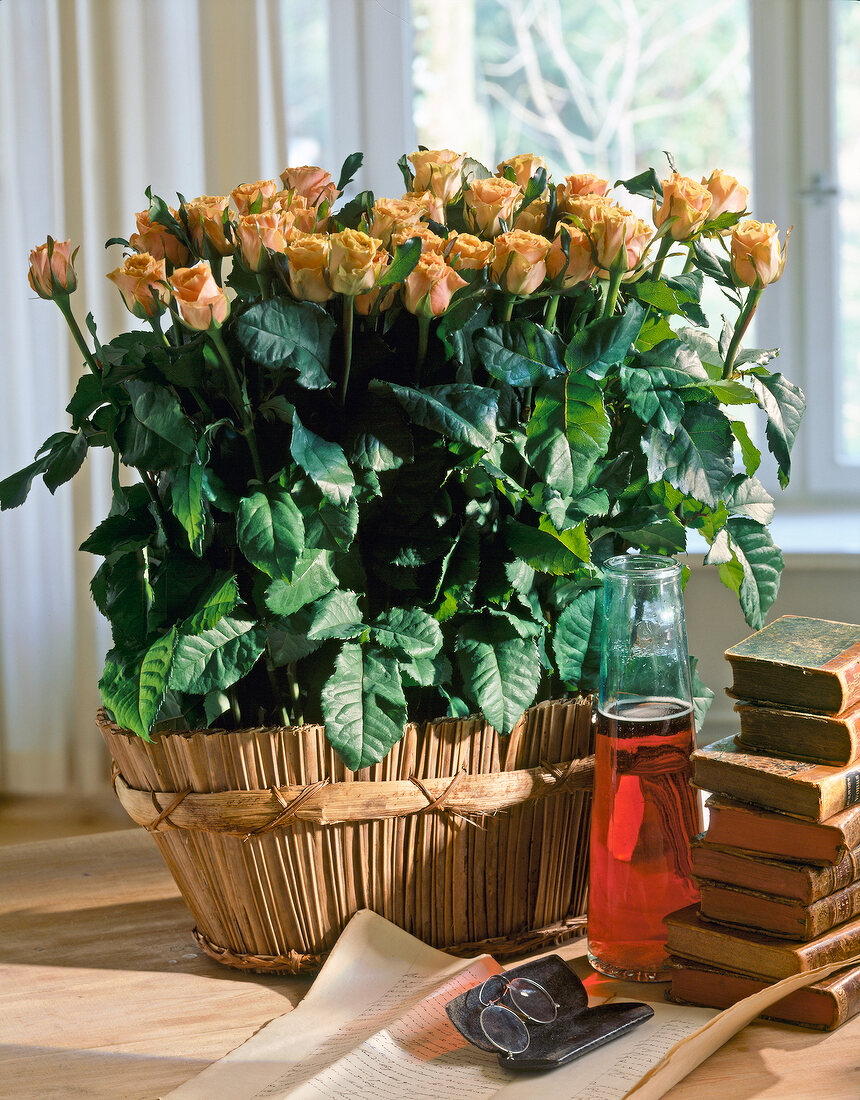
642, 565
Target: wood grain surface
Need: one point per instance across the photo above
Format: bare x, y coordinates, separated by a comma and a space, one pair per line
103, 993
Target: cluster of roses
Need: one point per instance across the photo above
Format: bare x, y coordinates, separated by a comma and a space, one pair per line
528, 242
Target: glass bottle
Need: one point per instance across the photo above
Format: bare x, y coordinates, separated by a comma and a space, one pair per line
644, 812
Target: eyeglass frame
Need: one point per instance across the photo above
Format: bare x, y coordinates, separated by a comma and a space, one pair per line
518, 1013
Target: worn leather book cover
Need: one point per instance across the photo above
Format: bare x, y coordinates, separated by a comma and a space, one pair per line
784, 917
820, 738
825, 1005
813, 664
800, 882
810, 791
743, 951
751, 829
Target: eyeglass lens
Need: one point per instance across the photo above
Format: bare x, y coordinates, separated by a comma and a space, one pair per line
504, 1029
532, 1000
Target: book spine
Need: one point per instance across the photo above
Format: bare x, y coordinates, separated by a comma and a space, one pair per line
839, 792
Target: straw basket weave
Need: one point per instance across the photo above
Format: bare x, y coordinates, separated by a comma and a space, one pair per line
467, 840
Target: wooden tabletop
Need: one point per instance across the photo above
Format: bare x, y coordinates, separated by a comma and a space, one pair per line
103, 992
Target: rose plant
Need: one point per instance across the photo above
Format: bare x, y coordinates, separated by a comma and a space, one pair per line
383, 452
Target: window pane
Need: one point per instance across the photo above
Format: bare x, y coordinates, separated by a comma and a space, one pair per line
306, 81
604, 87
848, 133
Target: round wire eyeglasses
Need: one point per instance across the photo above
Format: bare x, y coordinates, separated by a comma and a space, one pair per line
505, 1026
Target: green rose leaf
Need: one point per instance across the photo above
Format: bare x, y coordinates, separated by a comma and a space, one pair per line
410, 632
156, 434
758, 566
785, 405
572, 634
567, 433
697, 459
548, 550
186, 503
652, 396
218, 657
122, 593
288, 639
702, 695
312, 578
378, 437
124, 531
462, 412
746, 496
65, 459
270, 531
603, 344
324, 462
406, 257
219, 599
364, 705
280, 332
500, 673
750, 454
521, 353
133, 693
336, 615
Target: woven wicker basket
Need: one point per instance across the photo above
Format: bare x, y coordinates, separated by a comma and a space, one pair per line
467, 840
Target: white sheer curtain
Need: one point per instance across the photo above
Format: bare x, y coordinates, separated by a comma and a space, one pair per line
98, 98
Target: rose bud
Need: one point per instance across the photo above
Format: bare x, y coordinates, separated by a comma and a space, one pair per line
206, 216
757, 259
351, 266
158, 241
308, 255
578, 185
439, 171
524, 166
727, 195
142, 282
428, 288
248, 194
314, 183
489, 202
619, 238
391, 216
202, 304
579, 265
466, 252
519, 261
685, 206
257, 233
52, 268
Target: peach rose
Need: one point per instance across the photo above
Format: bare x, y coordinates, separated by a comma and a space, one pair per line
246, 195
308, 255
519, 261
489, 202
142, 282
757, 258
312, 182
588, 209
52, 268
430, 241
158, 241
432, 206
380, 297
207, 215
439, 171
685, 205
579, 265
199, 299
524, 166
577, 185
391, 216
428, 288
468, 252
619, 238
727, 195
258, 232
351, 262
534, 218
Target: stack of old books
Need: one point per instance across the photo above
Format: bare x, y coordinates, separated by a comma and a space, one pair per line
779, 865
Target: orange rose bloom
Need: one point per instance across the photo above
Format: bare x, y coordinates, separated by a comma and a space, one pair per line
579, 265
757, 259
380, 296
519, 261
524, 166
314, 183
430, 241
308, 254
428, 288
391, 216
142, 282
258, 232
534, 218
726, 194
686, 203
206, 217
439, 171
158, 241
619, 238
351, 262
577, 185
52, 268
199, 299
247, 194
432, 206
467, 252
489, 202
